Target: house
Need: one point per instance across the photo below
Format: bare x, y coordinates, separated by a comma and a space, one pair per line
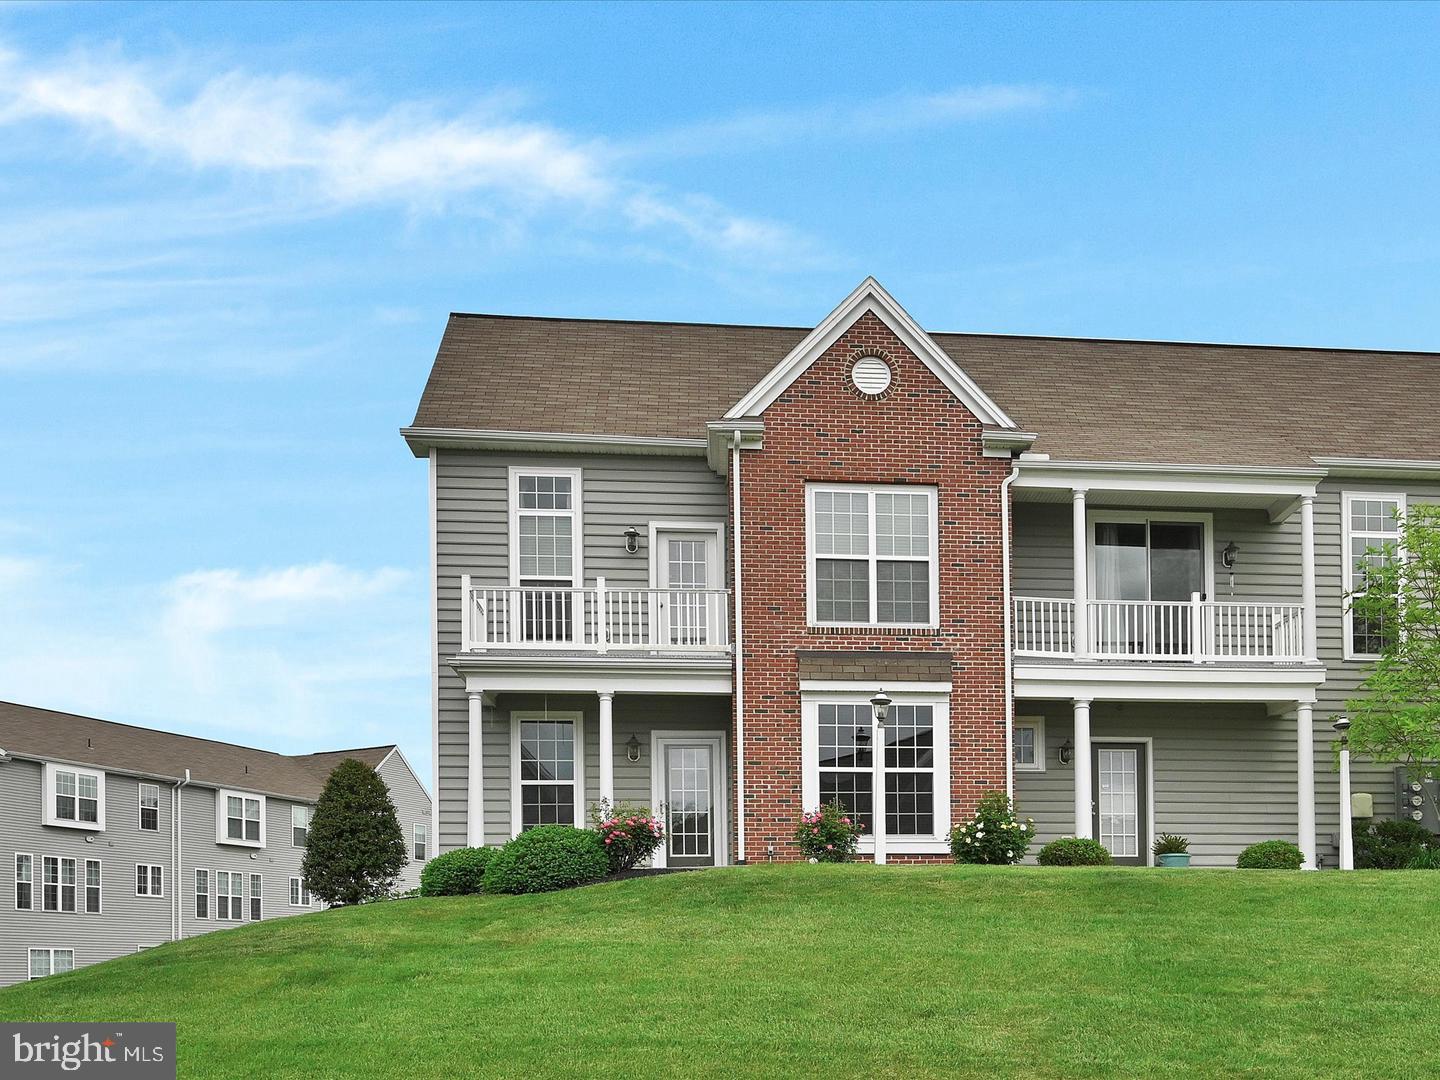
115, 838
672, 563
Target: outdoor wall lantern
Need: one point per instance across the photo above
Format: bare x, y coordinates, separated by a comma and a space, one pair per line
1227, 556
632, 540
632, 749
881, 704
1067, 752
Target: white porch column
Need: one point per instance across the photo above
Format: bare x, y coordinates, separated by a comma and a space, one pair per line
1307, 577
1084, 783
607, 747
475, 799
1305, 774
1082, 579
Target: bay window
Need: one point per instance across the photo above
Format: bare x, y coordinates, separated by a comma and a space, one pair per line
240, 819
75, 798
872, 555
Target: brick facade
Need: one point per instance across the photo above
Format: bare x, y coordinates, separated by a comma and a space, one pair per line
821, 430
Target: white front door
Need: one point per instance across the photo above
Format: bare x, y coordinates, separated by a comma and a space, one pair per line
1121, 816
687, 570
688, 787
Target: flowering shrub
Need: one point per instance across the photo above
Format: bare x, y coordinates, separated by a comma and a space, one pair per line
828, 834
993, 836
629, 834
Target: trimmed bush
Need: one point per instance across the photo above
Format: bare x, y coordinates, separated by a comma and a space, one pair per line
546, 858
1271, 855
993, 836
1390, 845
354, 850
1074, 851
456, 873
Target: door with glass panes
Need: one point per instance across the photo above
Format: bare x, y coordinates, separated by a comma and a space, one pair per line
1143, 573
688, 788
688, 609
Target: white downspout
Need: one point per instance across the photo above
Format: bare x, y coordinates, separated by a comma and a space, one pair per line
739, 652
1009, 659
177, 803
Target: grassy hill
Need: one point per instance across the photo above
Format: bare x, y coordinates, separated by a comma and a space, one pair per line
810, 970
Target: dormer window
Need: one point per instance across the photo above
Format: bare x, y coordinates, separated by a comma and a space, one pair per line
240, 819
74, 797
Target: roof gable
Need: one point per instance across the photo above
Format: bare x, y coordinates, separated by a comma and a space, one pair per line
869, 296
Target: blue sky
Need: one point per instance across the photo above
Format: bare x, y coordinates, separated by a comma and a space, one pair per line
229, 236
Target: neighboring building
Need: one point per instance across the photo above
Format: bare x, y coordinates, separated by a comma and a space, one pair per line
1108, 576
115, 838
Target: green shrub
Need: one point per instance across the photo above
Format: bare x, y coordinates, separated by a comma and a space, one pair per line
456, 873
1271, 855
630, 834
354, 850
546, 858
1427, 859
993, 836
1390, 845
1074, 851
1170, 844
828, 834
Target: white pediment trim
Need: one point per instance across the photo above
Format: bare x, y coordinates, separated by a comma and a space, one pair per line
870, 296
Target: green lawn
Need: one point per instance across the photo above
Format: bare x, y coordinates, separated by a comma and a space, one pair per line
811, 970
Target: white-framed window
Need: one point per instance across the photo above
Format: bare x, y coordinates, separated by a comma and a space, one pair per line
545, 551
872, 555
229, 896
838, 755
1371, 520
149, 879
202, 894
1028, 743
240, 819
51, 962
548, 766
300, 824
59, 885
74, 797
257, 892
420, 849
299, 894
92, 887
24, 881
150, 807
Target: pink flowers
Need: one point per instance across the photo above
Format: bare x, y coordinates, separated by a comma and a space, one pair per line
829, 834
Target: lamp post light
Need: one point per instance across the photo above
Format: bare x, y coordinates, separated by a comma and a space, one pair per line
1347, 838
880, 706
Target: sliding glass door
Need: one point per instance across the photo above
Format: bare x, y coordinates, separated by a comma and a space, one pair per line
1143, 573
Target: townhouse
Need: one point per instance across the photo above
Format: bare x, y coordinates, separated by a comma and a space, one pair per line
117, 838
673, 563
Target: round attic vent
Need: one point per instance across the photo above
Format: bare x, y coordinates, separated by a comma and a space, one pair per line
871, 375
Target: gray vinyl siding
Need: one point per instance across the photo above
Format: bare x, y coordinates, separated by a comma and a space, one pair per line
472, 537
412, 805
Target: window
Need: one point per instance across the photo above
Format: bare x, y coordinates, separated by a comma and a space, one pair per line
202, 894
150, 807
299, 894
545, 526
149, 879
24, 882
229, 899
548, 767
92, 886
51, 962
59, 885
421, 850
1371, 521
256, 892
872, 556
839, 735
240, 819
75, 798
300, 825
1028, 743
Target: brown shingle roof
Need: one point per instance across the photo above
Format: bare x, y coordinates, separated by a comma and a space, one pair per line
27, 731
1089, 400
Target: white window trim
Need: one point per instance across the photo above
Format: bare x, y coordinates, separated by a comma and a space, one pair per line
150, 869
939, 842
230, 896
98, 825
251, 896
37, 872
297, 893
415, 840
15, 881
30, 975
1038, 723
1100, 515
516, 807
1149, 741
1347, 566
932, 493
576, 512
140, 807
710, 528
221, 806
309, 817
82, 875
208, 892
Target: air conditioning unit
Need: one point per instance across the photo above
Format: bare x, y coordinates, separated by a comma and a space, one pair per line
1416, 798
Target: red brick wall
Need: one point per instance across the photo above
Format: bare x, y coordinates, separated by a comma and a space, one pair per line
820, 429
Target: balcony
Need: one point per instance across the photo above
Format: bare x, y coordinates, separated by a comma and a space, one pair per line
1150, 631
595, 620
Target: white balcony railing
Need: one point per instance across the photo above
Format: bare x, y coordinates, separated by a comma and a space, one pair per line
597, 619
1194, 631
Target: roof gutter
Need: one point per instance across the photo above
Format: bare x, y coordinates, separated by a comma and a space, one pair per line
423, 439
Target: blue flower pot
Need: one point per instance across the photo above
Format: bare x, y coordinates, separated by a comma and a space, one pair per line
1175, 859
